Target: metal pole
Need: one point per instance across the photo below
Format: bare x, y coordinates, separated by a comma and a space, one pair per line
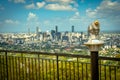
6, 65
94, 65
57, 67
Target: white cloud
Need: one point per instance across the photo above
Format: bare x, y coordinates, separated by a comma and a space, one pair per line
32, 16
91, 13
38, 5
54, 5
51, 0
61, 1
81, 22
67, 1
9, 21
30, 6
59, 7
62, 5
17, 1
108, 12
106, 9
76, 16
46, 22
32, 20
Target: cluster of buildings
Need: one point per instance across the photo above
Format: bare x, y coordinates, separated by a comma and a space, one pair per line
49, 40
53, 40
112, 40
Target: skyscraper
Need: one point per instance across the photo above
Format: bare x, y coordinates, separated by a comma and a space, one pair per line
56, 29
72, 28
37, 30
53, 34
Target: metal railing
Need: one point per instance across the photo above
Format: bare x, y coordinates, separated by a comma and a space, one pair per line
25, 65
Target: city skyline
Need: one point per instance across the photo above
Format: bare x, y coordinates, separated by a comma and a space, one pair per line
19, 15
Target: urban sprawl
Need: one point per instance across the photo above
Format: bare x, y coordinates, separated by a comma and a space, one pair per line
55, 41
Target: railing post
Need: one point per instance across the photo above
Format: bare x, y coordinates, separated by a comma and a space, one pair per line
57, 67
94, 46
94, 65
6, 65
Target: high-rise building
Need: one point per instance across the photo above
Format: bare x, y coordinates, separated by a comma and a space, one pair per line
72, 28
81, 34
88, 34
37, 30
58, 36
56, 29
81, 38
53, 34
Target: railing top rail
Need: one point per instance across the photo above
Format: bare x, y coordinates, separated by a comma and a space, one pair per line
62, 54
47, 53
109, 58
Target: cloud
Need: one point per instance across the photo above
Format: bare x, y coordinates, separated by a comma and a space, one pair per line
32, 20
108, 12
67, 1
107, 9
46, 22
76, 16
30, 6
56, 7
51, 0
61, 1
91, 13
69, 5
62, 5
17, 1
38, 5
32, 16
9, 21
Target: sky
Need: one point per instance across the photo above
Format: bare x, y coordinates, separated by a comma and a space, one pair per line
19, 15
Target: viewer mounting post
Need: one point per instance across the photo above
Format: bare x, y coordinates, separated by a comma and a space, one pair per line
94, 44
